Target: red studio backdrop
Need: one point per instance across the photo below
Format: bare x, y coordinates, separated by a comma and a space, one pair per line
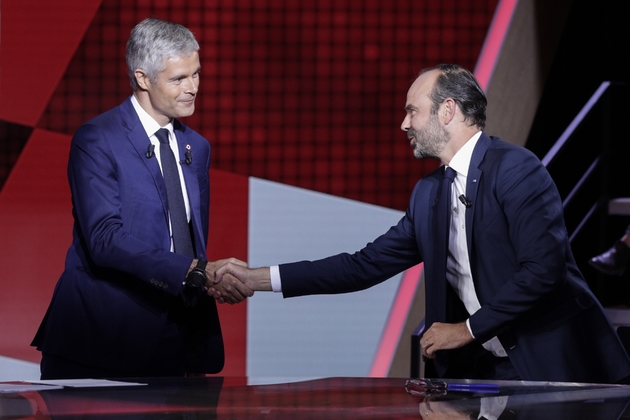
307, 93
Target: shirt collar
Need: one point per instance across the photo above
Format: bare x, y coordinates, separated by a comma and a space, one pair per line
461, 161
147, 121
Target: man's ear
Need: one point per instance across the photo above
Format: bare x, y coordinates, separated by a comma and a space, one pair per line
448, 109
142, 79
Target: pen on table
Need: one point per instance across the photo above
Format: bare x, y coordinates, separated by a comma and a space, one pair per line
422, 386
490, 388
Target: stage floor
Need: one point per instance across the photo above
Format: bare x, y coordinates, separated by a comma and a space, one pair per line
329, 398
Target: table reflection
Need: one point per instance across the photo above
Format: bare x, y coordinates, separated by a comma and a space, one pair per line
329, 398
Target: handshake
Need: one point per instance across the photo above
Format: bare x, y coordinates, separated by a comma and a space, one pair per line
231, 281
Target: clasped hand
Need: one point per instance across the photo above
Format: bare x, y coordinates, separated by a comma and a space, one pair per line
234, 281
227, 289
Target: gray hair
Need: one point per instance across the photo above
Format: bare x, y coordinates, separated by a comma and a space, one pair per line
152, 41
459, 84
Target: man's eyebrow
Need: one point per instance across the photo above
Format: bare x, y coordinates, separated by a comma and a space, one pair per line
410, 107
184, 75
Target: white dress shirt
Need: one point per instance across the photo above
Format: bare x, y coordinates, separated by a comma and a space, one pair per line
458, 271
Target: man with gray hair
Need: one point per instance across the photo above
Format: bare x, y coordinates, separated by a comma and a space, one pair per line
133, 299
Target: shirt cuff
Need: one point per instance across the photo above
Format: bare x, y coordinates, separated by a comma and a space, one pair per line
276, 283
469, 330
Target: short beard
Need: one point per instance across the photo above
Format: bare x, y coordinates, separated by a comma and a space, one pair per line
430, 140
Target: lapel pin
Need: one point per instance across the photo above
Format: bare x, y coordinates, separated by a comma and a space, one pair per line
188, 160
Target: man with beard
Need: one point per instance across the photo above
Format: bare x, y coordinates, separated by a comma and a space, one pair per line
504, 296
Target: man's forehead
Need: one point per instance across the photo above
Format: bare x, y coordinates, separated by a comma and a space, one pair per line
424, 82
421, 88
182, 63
179, 58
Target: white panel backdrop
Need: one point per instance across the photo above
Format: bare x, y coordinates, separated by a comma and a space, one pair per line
313, 336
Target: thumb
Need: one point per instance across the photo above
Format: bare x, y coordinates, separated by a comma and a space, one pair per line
228, 268
219, 273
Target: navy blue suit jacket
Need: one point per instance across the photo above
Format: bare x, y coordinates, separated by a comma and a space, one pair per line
120, 286
532, 294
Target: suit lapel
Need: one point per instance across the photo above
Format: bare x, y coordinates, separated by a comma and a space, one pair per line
192, 182
140, 141
472, 187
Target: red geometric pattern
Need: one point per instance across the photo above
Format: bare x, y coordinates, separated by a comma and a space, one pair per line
309, 94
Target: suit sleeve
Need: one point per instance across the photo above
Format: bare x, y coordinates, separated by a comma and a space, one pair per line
96, 182
522, 250
389, 254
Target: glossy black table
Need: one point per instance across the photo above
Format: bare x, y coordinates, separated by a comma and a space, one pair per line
330, 398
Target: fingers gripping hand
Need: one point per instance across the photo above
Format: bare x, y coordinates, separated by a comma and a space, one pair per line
213, 266
235, 270
254, 279
230, 290
258, 279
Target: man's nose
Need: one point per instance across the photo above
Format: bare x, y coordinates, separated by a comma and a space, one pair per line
191, 86
404, 126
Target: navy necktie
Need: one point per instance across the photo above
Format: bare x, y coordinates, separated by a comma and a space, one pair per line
442, 226
177, 210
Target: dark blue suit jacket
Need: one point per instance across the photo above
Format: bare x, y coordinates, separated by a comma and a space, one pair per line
118, 292
532, 294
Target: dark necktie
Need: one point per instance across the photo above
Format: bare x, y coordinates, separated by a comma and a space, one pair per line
442, 226
444, 216
177, 210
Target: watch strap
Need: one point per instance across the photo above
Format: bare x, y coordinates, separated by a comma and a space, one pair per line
201, 265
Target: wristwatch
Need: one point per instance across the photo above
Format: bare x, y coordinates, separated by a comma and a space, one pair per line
197, 277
